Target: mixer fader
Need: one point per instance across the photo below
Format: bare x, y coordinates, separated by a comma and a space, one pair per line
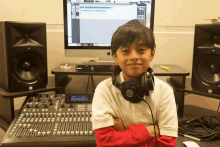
52, 120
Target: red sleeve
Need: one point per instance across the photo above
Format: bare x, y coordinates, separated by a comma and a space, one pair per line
135, 135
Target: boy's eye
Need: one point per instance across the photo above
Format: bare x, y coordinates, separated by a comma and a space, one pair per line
128, 50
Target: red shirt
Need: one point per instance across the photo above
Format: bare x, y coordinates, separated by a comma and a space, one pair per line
135, 135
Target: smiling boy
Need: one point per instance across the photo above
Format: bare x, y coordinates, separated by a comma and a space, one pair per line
118, 122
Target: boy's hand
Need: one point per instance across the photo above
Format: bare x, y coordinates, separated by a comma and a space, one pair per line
118, 124
151, 131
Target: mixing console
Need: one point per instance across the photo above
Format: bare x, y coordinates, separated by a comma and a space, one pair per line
52, 120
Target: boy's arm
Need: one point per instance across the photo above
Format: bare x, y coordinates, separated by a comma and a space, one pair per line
167, 141
110, 137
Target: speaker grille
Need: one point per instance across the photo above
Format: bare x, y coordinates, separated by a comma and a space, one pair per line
28, 68
208, 69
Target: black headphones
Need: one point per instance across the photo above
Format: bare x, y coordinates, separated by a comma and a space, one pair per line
130, 89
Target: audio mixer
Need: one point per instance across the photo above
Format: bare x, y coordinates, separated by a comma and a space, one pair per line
52, 120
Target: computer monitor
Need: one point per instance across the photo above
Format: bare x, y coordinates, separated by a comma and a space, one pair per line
90, 24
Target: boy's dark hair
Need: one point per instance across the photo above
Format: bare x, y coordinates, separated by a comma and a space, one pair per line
132, 32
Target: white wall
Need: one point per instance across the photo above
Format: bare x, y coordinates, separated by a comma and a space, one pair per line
174, 35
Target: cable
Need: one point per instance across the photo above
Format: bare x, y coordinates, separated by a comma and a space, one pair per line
152, 117
93, 84
203, 128
218, 106
87, 84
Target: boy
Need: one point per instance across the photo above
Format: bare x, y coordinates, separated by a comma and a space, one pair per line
120, 123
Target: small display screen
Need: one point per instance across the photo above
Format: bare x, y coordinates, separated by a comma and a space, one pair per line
79, 98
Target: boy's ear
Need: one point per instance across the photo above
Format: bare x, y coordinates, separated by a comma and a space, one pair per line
115, 58
152, 55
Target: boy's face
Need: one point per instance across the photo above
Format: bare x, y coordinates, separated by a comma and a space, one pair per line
134, 54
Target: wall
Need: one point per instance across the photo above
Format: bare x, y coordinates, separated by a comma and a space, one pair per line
174, 35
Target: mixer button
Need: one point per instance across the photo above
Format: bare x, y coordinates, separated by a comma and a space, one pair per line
63, 133
68, 133
55, 130
35, 131
72, 133
77, 132
48, 132
86, 132
58, 133
39, 133
28, 126
10, 134
24, 125
81, 132
43, 133
31, 130
52, 120
54, 133
90, 132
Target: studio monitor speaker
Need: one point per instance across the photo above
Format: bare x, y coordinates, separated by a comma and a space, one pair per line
23, 56
206, 59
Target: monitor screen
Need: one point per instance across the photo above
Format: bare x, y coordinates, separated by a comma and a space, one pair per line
90, 24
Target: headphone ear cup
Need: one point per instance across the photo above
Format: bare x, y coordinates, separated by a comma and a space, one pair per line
147, 83
130, 89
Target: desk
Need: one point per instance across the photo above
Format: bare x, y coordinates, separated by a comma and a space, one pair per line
177, 78
191, 111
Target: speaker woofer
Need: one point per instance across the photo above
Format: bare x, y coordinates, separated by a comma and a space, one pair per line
28, 68
208, 69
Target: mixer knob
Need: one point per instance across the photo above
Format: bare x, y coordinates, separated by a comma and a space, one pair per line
55, 95
28, 106
39, 100
71, 105
45, 105
62, 105
51, 103
47, 95
36, 105
50, 99
30, 99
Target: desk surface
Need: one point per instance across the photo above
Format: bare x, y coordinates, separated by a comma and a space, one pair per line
175, 70
191, 111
